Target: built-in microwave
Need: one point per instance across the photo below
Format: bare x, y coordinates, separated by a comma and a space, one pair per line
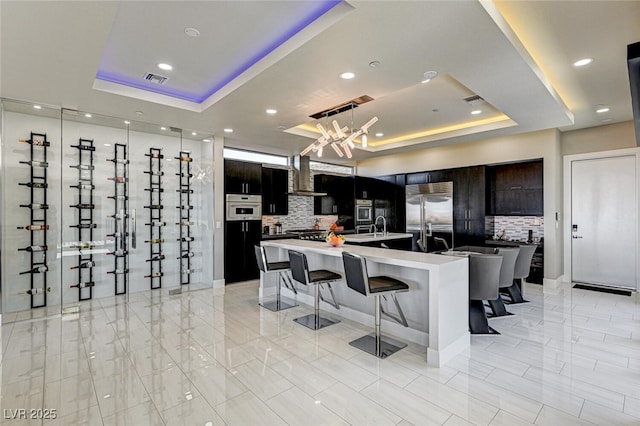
244, 207
364, 212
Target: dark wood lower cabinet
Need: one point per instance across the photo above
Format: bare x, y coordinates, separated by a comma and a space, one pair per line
239, 256
395, 244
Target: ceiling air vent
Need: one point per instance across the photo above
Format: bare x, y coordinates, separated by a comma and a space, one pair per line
474, 100
155, 78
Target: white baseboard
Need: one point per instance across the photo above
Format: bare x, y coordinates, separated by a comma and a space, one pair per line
219, 284
439, 358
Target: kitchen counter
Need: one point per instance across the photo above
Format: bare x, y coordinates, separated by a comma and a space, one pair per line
436, 305
507, 243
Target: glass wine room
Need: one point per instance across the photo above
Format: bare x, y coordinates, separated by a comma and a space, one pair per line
100, 209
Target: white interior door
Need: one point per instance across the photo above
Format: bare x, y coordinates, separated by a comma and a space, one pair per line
604, 221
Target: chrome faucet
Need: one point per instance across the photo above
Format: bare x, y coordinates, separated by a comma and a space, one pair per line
384, 226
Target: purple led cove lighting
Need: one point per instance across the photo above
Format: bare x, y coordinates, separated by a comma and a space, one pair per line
315, 13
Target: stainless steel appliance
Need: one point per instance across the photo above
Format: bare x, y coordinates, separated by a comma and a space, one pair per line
244, 207
430, 214
364, 212
309, 234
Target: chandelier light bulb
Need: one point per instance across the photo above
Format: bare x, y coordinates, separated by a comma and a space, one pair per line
364, 141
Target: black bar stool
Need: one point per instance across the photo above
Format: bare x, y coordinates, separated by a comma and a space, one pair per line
484, 277
355, 269
280, 267
523, 265
509, 256
300, 272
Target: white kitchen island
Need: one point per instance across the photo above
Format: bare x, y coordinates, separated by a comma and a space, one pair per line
436, 305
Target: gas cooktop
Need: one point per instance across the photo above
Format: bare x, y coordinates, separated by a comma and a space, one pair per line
309, 234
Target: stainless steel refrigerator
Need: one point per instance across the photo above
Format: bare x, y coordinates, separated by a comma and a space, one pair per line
430, 215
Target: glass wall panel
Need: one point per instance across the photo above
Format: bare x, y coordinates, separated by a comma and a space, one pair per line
89, 228
31, 175
129, 210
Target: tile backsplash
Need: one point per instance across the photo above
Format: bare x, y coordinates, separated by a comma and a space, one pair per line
300, 216
516, 227
301, 208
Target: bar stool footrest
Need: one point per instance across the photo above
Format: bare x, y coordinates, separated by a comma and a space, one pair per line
388, 346
309, 321
276, 305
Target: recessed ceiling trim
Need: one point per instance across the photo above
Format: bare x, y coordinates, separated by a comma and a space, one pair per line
145, 95
324, 15
441, 133
504, 27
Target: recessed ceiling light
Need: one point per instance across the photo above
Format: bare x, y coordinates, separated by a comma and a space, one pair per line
374, 64
271, 111
347, 75
428, 76
127, 122
607, 120
206, 140
379, 134
37, 107
107, 144
165, 67
87, 115
163, 128
193, 133
228, 130
582, 62
139, 112
281, 127
192, 32
602, 109
476, 112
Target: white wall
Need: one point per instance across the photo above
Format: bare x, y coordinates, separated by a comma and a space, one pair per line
601, 138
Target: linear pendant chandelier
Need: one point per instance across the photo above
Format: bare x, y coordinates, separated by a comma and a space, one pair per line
342, 139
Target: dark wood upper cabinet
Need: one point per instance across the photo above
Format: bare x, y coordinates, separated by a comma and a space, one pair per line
275, 186
242, 177
340, 195
515, 189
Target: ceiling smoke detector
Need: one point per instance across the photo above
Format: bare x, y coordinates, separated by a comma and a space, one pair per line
155, 78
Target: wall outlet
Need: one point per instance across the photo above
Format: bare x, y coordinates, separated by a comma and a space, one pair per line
536, 222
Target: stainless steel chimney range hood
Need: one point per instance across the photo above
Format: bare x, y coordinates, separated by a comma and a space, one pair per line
301, 170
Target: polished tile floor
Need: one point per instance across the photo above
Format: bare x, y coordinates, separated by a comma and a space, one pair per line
200, 358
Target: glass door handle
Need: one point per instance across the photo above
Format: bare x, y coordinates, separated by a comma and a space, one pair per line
133, 228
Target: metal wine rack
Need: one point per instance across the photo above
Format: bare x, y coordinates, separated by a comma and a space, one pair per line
85, 224
155, 224
120, 234
38, 226
185, 207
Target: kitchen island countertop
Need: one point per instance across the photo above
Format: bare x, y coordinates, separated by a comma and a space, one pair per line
436, 305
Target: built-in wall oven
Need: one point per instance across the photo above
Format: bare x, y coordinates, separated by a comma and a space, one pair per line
364, 214
244, 207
